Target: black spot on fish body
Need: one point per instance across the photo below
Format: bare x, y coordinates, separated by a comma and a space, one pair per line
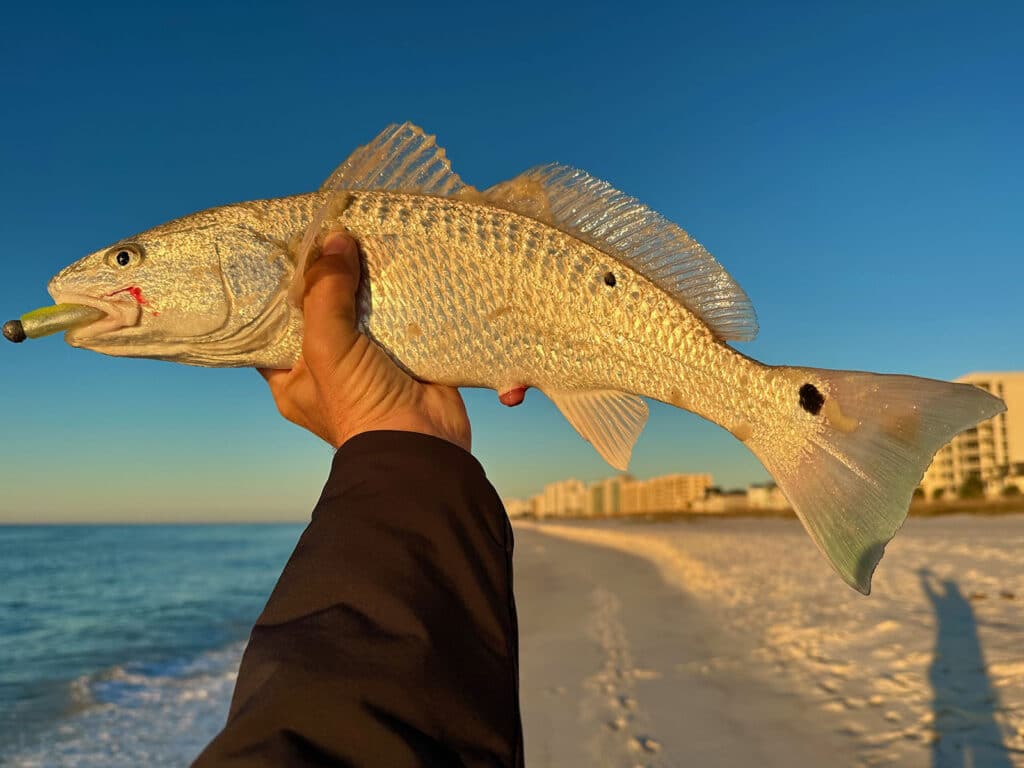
811, 399
609, 279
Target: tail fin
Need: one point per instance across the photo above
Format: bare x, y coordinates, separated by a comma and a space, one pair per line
870, 440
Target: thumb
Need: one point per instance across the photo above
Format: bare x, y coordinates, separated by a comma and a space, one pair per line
329, 303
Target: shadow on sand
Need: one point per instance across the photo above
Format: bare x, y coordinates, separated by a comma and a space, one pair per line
963, 700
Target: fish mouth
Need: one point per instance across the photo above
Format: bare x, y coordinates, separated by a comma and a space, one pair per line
118, 314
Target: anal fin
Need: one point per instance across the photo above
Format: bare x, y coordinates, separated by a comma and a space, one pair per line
609, 420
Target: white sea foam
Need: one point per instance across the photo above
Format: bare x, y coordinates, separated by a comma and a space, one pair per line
134, 716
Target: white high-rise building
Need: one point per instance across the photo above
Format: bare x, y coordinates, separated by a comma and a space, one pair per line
517, 507
766, 496
564, 498
604, 498
668, 493
993, 452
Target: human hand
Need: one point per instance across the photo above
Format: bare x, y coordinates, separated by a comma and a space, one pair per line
343, 383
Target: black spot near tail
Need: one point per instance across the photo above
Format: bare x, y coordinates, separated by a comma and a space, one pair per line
811, 399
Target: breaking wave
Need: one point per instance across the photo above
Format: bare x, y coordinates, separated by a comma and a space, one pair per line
138, 714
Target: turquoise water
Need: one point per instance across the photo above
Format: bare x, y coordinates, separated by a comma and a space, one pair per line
119, 644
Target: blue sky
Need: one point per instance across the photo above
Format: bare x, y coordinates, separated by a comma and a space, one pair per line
857, 169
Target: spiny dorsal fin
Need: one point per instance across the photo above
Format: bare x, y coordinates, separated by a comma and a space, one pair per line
628, 230
609, 420
401, 159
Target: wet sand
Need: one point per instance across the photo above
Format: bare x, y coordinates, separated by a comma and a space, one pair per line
619, 669
731, 642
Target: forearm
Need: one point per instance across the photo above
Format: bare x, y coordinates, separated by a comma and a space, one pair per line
391, 637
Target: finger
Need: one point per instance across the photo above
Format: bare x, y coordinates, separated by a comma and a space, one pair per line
329, 305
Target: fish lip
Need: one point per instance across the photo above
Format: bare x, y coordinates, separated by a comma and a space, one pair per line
119, 314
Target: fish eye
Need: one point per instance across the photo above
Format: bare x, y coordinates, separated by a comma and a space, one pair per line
609, 279
124, 256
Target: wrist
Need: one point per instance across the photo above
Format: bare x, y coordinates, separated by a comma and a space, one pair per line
404, 422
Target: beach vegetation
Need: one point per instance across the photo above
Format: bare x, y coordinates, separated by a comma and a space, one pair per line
972, 488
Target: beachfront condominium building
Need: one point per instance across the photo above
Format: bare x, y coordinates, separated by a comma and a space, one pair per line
618, 495
716, 502
668, 493
767, 496
604, 498
992, 452
517, 507
566, 498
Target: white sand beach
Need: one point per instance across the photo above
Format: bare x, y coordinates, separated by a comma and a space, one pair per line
722, 642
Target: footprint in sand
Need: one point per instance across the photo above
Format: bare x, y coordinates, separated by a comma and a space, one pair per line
646, 674
619, 724
647, 744
611, 688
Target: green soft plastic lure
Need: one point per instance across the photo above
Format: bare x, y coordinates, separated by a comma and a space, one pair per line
47, 320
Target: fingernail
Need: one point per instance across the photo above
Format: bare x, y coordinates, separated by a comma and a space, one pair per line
338, 244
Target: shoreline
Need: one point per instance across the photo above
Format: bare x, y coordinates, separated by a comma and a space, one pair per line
922, 509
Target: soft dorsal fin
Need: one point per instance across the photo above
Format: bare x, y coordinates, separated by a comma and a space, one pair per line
609, 420
523, 194
401, 159
628, 230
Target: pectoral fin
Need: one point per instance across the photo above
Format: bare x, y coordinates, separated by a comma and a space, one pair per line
609, 420
330, 210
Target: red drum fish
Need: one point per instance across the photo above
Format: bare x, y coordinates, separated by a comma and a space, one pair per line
552, 280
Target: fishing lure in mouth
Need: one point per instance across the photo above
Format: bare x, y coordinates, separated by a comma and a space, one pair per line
552, 280
48, 320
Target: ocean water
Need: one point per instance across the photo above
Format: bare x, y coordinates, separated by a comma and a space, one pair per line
119, 645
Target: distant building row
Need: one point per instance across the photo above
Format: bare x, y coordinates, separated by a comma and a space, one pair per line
987, 460
623, 495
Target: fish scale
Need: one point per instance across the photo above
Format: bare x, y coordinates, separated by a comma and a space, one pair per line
546, 278
553, 280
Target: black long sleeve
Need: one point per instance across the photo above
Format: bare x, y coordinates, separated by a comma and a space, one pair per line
390, 638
